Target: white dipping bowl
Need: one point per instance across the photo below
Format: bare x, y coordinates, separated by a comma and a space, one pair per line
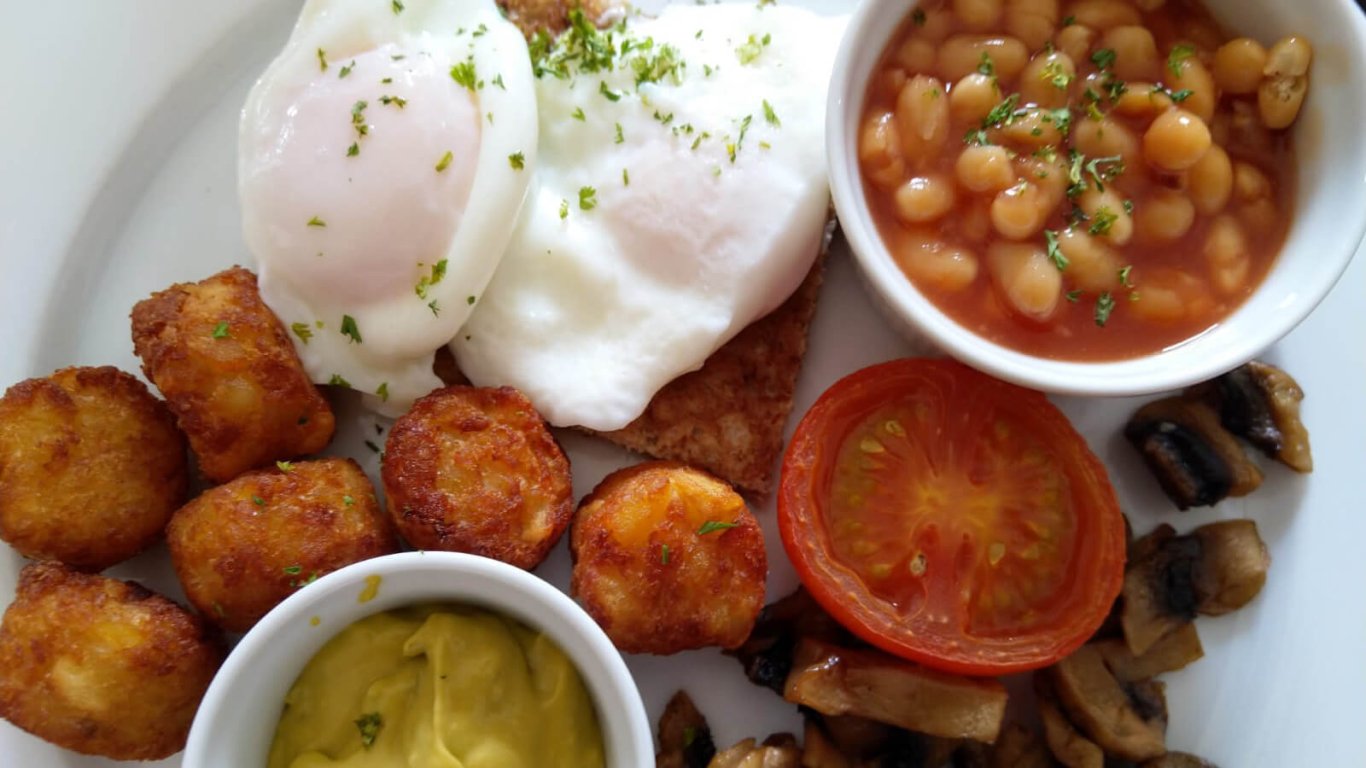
236, 721
1326, 227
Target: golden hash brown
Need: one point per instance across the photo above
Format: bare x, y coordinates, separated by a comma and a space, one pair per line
668, 558
241, 548
728, 416
230, 374
102, 667
474, 469
91, 467
532, 16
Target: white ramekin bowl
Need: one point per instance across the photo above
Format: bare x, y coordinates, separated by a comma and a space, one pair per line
1326, 229
237, 719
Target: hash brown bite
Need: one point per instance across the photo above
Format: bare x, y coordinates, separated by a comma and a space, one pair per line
230, 374
91, 467
475, 469
243, 547
668, 558
101, 666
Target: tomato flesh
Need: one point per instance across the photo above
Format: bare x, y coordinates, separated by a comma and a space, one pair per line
951, 518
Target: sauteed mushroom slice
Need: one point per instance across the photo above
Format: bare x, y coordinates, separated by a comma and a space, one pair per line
1127, 721
838, 681
1215, 569
777, 751
818, 751
1261, 404
1067, 744
1174, 651
767, 654
1179, 760
1195, 460
1019, 747
684, 736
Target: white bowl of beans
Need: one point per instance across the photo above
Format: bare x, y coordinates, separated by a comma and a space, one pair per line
1100, 197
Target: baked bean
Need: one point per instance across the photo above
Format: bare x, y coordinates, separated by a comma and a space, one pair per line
961, 55
1104, 14
1176, 140
1135, 53
1196, 79
922, 116
973, 97
1226, 255
978, 15
1034, 129
1162, 298
939, 24
1091, 264
1238, 65
1107, 138
924, 198
938, 264
1203, 34
916, 56
1210, 181
1106, 206
985, 169
1049, 177
1018, 212
1259, 217
1164, 217
1032, 21
1247, 134
880, 151
974, 221
1046, 80
1249, 183
1143, 100
1075, 41
893, 80
1028, 279
1282, 92
1149, 5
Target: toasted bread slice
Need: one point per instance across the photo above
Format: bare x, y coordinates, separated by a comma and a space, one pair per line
532, 16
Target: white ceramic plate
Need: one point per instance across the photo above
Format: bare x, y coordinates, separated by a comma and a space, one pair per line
117, 179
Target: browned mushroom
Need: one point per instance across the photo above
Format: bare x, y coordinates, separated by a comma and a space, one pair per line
844, 681
1215, 569
1019, 747
1171, 652
1127, 721
1195, 460
818, 751
684, 737
1067, 744
777, 751
1261, 404
1178, 760
767, 654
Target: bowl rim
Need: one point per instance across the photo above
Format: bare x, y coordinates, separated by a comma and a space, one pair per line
405, 579
909, 310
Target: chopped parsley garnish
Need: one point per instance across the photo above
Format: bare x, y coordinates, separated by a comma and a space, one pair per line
1001, 113
383, 391
664, 62
619, 138
482, 30
358, 118
918, 17
349, 329
1124, 275
498, 81
348, 501
608, 93
1115, 167
445, 161
284, 466
1181, 95
1054, 252
582, 46
625, 178
316, 222
664, 554
293, 570
471, 299
371, 444
517, 161
322, 60
397, 101
1073, 296
770, 115
986, 66
1076, 184
588, 198
664, 119
369, 723
564, 209
302, 331
578, 114
1104, 58
220, 331
346, 70
436, 311
1061, 118
464, 74
1178, 56
1102, 220
397, 6
353, 150
1105, 304
1054, 73
711, 526
427, 281
258, 501
751, 49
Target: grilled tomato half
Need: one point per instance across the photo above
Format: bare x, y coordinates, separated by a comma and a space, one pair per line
951, 518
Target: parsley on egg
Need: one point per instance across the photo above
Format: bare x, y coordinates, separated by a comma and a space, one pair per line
349, 329
445, 161
588, 198
517, 160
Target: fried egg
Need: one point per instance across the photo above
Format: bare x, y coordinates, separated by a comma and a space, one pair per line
681, 194
382, 160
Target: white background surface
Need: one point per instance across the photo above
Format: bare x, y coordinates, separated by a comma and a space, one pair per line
117, 179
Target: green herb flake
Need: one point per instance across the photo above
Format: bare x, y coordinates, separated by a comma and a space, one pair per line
625, 178
578, 114
1054, 74
1114, 166
322, 60
358, 118
1103, 58
383, 391
293, 570
353, 150
664, 554
302, 331
464, 74
608, 93
258, 501
1069, 21
346, 70
316, 222
397, 6
1054, 252
498, 81
1177, 58
1124, 274
370, 723
482, 30
1181, 95
588, 198
438, 273
564, 209
220, 331
986, 66
284, 466
397, 101
350, 330
1073, 296
770, 116
751, 49
1076, 184
619, 138
445, 161
348, 501
371, 444
1105, 304
338, 381
432, 305
712, 526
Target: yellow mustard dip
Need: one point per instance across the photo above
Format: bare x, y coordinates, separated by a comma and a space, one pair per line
438, 687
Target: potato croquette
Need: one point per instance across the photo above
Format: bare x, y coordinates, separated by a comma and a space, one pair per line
230, 374
243, 547
668, 558
476, 470
101, 666
91, 467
